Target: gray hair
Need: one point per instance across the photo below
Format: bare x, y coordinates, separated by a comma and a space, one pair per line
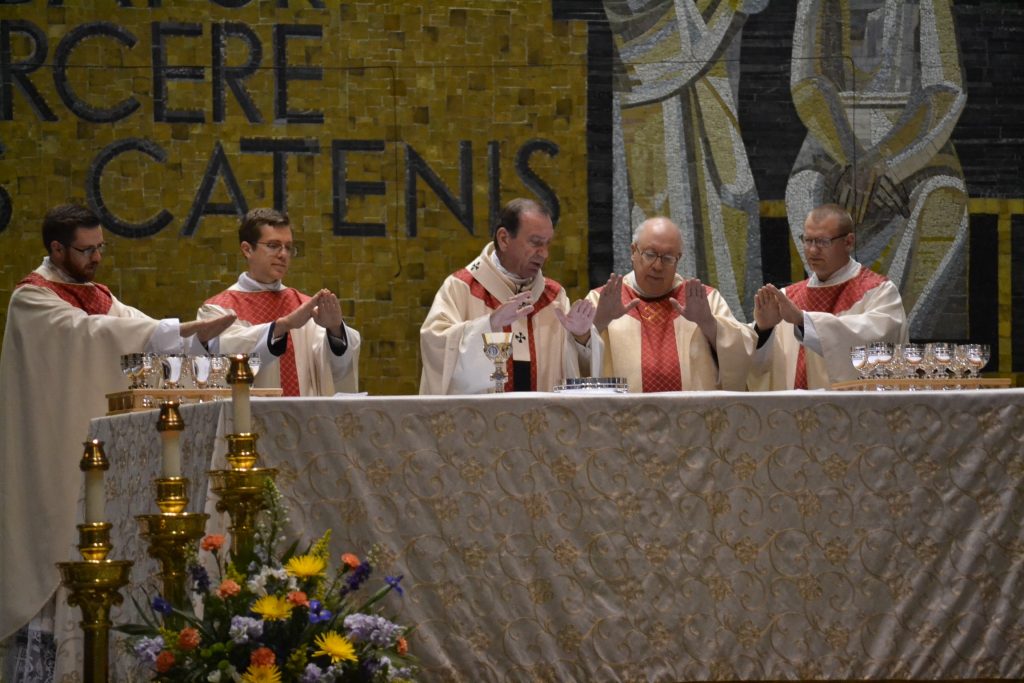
638, 230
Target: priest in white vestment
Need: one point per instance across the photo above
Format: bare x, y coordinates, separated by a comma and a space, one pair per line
62, 345
504, 289
663, 332
304, 346
806, 330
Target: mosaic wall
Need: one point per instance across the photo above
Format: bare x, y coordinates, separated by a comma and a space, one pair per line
392, 131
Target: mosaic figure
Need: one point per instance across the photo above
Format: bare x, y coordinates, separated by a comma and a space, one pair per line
879, 85
677, 145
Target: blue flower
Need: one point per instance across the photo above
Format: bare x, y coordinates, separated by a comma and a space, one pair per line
312, 674
317, 613
162, 606
393, 581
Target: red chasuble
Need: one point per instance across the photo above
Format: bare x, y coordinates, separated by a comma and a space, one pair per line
550, 293
94, 299
659, 354
835, 300
266, 307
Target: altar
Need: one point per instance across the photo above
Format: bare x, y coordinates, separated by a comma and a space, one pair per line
667, 537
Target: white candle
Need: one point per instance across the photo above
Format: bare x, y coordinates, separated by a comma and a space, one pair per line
240, 406
172, 453
95, 496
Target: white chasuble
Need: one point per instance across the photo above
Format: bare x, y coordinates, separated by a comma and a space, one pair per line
451, 338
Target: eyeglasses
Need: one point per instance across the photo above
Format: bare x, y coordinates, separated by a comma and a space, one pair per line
667, 260
820, 242
89, 251
278, 247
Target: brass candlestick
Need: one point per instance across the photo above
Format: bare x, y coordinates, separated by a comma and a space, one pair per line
95, 583
172, 532
240, 489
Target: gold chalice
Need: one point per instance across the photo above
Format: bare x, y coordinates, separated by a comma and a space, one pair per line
498, 348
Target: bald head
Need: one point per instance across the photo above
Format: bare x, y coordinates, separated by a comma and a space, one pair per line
660, 225
657, 247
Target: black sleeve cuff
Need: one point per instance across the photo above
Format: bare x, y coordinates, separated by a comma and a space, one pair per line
339, 345
276, 347
763, 336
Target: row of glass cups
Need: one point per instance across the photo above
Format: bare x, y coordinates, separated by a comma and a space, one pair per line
937, 360
178, 370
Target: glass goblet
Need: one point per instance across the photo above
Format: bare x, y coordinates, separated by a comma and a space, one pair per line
201, 370
859, 358
254, 363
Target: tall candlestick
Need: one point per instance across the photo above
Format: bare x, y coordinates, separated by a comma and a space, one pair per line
171, 455
93, 463
241, 411
240, 377
170, 425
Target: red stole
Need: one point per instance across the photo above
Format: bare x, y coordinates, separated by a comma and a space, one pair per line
266, 307
834, 300
547, 296
94, 298
659, 352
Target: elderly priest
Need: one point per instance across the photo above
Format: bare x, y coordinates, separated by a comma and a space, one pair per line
503, 289
663, 332
61, 355
805, 331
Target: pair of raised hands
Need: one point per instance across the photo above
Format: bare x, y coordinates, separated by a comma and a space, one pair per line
577, 321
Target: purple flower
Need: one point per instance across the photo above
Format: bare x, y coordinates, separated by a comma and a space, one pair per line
200, 578
312, 674
373, 629
244, 628
162, 606
393, 581
317, 613
357, 577
146, 649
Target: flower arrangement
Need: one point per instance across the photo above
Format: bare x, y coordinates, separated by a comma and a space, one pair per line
274, 618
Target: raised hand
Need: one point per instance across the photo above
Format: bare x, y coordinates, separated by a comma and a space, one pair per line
697, 309
789, 311
579, 318
518, 306
297, 318
327, 313
766, 309
207, 329
609, 303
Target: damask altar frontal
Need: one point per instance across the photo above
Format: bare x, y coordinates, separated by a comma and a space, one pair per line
663, 537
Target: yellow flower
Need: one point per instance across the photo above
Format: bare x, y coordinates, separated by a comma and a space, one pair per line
306, 566
335, 646
272, 608
262, 674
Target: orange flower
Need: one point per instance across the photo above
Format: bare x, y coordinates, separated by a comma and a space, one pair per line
188, 639
228, 588
212, 542
263, 656
298, 598
402, 645
164, 661
350, 560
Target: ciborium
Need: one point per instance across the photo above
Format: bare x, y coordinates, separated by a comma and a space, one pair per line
498, 348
